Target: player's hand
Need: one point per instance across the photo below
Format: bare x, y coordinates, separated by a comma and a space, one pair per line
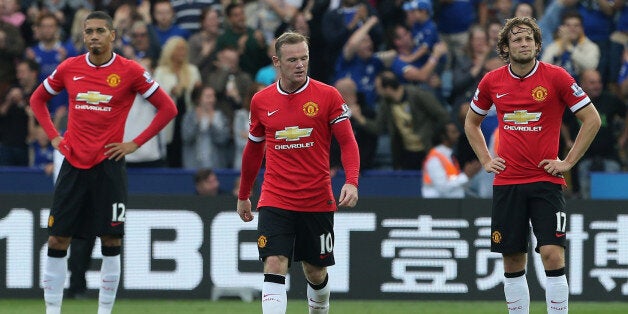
555, 167
117, 151
495, 165
348, 196
244, 210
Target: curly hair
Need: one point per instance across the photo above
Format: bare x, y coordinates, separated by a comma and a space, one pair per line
504, 35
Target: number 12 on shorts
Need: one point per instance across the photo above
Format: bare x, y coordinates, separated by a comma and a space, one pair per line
561, 222
118, 212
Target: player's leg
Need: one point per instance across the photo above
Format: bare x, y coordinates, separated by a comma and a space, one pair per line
275, 244
314, 246
109, 194
549, 219
65, 215
55, 272
510, 229
109, 272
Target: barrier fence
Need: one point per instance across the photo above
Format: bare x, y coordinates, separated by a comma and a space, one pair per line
385, 248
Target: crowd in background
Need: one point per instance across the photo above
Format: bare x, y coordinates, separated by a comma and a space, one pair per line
405, 68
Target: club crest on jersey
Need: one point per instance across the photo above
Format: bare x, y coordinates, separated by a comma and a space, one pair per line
113, 80
51, 220
292, 133
496, 237
310, 109
93, 98
539, 93
522, 116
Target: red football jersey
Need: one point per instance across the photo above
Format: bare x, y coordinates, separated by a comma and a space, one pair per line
530, 112
100, 98
297, 131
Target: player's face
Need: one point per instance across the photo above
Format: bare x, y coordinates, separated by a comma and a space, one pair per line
293, 64
97, 36
521, 45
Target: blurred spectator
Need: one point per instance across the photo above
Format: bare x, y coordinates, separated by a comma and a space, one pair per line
164, 22
203, 43
454, 18
76, 30
188, 13
410, 116
11, 47
227, 79
13, 129
603, 154
598, 23
143, 43
404, 67
206, 132
206, 182
572, 50
49, 51
40, 148
552, 19
268, 74
361, 114
151, 154
523, 9
248, 41
340, 23
241, 126
10, 13
268, 15
442, 175
359, 62
468, 68
423, 30
178, 77
501, 10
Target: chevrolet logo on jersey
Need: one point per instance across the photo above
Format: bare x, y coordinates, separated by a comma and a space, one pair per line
522, 117
93, 98
292, 133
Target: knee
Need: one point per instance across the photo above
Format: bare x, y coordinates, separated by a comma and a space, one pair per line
276, 265
553, 257
59, 243
107, 240
515, 262
314, 274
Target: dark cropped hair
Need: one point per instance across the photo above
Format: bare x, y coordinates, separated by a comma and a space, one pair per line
389, 79
101, 15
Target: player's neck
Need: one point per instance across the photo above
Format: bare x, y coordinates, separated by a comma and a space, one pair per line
100, 59
522, 69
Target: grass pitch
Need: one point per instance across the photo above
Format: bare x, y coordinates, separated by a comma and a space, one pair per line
126, 306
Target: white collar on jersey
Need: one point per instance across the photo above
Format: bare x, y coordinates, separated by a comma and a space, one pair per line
102, 65
300, 89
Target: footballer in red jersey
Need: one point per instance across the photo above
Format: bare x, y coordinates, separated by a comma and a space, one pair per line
530, 98
91, 189
292, 121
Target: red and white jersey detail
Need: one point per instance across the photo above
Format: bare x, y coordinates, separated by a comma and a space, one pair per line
100, 98
297, 130
530, 111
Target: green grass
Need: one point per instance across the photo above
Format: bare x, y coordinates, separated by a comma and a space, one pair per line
126, 306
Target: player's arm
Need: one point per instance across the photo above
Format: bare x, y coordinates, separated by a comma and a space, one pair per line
252, 157
591, 123
166, 111
473, 131
350, 157
38, 101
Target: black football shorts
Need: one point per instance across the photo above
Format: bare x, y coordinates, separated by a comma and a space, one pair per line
89, 202
516, 206
304, 236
